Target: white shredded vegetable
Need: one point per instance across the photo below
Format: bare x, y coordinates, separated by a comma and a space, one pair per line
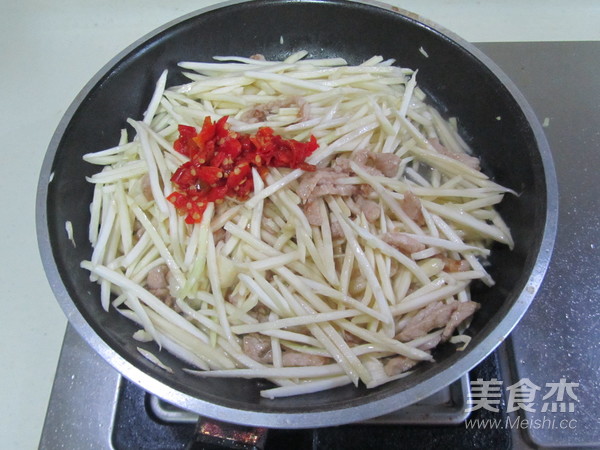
69, 230
352, 273
153, 359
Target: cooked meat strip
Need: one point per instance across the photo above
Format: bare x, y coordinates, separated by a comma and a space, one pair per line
453, 265
325, 180
254, 115
386, 163
369, 208
257, 347
437, 315
411, 205
431, 343
165, 296
260, 313
360, 157
147, 187
157, 277
358, 284
296, 359
309, 181
337, 231
351, 339
467, 160
402, 242
342, 165
260, 112
158, 284
234, 299
220, 235
365, 190
138, 229
360, 204
375, 163
398, 364
463, 311
304, 109
322, 182
343, 190
312, 210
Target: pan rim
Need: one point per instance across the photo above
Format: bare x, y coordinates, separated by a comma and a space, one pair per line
276, 419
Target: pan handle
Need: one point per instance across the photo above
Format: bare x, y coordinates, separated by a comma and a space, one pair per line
211, 434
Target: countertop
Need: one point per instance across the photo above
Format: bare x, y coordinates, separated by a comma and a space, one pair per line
50, 50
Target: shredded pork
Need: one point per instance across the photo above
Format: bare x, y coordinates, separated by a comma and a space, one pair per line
435, 316
323, 182
411, 205
403, 242
397, 365
328, 181
157, 283
261, 112
456, 265
312, 210
297, 359
258, 347
387, 163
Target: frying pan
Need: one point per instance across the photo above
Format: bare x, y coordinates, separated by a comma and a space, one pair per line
459, 80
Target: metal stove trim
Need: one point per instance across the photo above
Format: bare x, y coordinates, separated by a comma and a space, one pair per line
86, 389
445, 407
83, 400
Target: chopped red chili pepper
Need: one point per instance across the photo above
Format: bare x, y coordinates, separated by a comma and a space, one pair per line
221, 163
210, 175
184, 144
239, 174
207, 132
184, 176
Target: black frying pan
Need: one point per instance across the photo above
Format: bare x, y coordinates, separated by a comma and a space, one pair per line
493, 117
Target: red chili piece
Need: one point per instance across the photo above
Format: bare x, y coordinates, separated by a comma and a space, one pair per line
221, 163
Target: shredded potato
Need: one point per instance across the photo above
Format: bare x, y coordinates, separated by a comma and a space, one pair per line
349, 274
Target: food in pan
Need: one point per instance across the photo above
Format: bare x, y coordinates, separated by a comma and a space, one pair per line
306, 221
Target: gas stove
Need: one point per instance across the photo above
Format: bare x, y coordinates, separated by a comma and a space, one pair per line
92, 406
540, 389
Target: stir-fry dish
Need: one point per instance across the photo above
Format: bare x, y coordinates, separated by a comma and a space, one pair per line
304, 221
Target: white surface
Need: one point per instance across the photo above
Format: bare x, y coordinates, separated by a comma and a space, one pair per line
49, 51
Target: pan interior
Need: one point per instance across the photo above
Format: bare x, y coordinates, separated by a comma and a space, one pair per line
456, 82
